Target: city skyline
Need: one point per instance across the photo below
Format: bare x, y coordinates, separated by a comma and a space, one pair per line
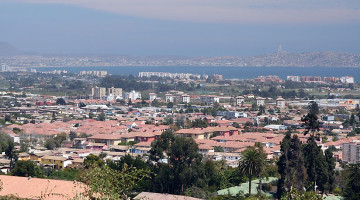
188, 28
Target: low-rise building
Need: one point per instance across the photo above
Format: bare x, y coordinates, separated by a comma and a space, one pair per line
280, 102
186, 98
239, 100
260, 101
209, 99
57, 162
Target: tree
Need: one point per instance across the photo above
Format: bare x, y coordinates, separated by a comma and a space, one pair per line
262, 162
26, 168
91, 115
156, 103
170, 105
290, 166
180, 122
7, 118
330, 160
72, 135
218, 149
311, 121
352, 188
199, 123
101, 117
51, 144
352, 120
313, 108
7, 146
60, 101
262, 109
251, 163
168, 120
183, 168
11, 154
92, 160
102, 155
316, 166
82, 104
106, 183
295, 194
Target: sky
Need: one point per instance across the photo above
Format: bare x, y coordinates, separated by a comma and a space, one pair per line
181, 27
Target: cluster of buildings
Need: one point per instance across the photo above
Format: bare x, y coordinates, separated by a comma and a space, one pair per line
56, 72
111, 94
318, 79
7, 68
261, 79
130, 130
169, 75
108, 94
141, 126
94, 73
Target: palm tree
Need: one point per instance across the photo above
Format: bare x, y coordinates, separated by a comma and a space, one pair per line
251, 164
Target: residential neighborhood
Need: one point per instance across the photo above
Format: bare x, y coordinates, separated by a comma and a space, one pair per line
60, 132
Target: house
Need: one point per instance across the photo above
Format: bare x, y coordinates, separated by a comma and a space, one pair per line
169, 98
195, 133
239, 100
221, 131
75, 163
185, 98
146, 136
37, 155
119, 148
79, 143
108, 139
24, 156
209, 99
260, 101
15, 137
96, 146
205, 148
57, 162
141, 148
4, 166
280, 102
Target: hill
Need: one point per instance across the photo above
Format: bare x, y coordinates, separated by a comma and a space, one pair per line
7, 49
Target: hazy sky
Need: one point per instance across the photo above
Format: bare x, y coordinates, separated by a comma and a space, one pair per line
181, 27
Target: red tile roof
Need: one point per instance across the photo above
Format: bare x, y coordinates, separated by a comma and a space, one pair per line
36, 187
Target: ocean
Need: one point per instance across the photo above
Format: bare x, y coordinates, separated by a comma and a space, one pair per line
227, 72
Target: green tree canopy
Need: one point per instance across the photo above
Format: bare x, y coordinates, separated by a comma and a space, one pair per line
352, 188
182, 167
26, 168
291, 166
316, 166
60, 101
251, 163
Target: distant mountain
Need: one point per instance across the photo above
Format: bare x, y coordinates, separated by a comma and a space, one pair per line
7, 49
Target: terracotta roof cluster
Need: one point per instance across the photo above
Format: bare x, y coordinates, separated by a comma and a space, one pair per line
89, 126
198, 131
37, 188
